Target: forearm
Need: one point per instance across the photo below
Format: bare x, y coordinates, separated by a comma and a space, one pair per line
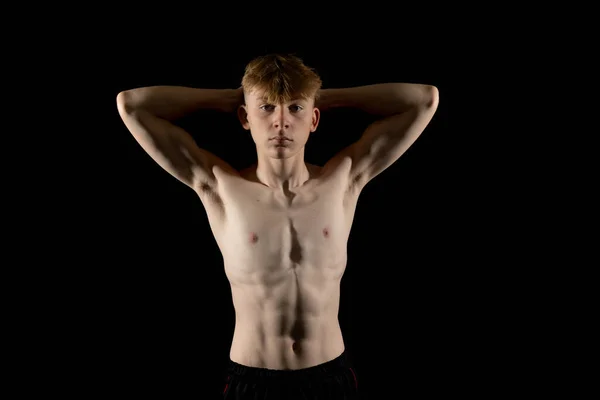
380, 99
172, 102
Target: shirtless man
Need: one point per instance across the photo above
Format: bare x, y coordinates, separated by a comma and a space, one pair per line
282, 224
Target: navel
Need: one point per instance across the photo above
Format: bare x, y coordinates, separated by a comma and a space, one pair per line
253, 237
326, 232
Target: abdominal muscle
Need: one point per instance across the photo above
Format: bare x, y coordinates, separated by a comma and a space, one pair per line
290, 322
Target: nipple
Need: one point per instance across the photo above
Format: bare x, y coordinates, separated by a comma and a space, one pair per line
253, 237
325, 232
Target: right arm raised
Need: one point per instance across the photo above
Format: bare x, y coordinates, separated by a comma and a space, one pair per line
147, 112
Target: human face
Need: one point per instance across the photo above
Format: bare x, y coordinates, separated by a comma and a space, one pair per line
280, 130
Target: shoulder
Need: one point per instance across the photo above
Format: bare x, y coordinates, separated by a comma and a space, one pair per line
248, 173
334, 175
314, 171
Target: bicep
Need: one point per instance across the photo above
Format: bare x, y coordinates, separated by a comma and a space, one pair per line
382, 143
172, 148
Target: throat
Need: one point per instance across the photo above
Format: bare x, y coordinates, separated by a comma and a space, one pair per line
283, 182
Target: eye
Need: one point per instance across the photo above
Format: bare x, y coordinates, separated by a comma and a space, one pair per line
270, 107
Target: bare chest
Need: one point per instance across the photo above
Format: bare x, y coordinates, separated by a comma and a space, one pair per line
264, 235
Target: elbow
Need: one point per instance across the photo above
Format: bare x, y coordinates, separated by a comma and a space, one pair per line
124, 102
431, 98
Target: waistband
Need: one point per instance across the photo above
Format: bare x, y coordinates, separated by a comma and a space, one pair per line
324, 369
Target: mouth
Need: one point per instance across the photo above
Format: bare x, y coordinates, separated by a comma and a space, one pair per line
281, 142
280, 138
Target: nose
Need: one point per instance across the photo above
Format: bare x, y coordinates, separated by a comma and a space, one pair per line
281, 119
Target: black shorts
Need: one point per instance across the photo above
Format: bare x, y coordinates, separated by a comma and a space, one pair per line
333, 380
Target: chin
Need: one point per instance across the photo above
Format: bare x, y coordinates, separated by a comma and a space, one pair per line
281, 153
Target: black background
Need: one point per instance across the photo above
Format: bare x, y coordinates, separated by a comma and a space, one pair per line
422, 295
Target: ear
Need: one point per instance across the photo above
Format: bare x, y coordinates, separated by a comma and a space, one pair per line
316, 117
243, 116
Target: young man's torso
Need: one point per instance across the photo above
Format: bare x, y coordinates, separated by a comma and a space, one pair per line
284, 255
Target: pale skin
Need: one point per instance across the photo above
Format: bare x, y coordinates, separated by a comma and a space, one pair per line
282, 225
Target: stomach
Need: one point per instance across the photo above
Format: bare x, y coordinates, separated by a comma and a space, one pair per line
289, 325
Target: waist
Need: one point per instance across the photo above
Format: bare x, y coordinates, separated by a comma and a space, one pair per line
302, 347
329, 367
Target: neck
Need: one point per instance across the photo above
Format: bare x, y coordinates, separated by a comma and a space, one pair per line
282, 173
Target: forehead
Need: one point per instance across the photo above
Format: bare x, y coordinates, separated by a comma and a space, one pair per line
258, 95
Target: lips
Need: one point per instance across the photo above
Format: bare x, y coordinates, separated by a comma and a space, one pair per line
281, 142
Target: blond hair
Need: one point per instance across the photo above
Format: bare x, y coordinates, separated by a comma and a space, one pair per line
282, 77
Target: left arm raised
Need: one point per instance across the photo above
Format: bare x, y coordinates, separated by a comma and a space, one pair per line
406, 110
